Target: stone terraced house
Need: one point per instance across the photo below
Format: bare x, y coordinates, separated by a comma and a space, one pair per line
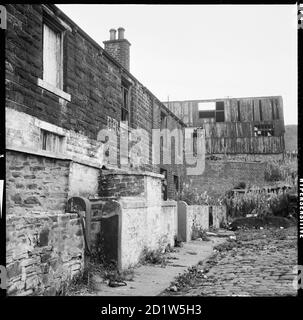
71, 107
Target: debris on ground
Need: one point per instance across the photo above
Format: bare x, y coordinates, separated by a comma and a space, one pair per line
257, 263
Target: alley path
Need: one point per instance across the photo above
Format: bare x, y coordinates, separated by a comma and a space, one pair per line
258, 263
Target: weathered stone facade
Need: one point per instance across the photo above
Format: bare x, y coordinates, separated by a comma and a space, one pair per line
55, 149
43, 252
92, 79
222, 176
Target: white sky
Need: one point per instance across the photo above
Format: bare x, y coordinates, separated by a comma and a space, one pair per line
192, 52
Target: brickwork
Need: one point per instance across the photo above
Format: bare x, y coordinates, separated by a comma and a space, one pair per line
221, 176
119, 185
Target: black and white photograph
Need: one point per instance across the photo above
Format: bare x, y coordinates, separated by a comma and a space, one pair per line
151, 150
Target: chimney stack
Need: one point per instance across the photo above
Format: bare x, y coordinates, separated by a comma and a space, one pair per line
118, 48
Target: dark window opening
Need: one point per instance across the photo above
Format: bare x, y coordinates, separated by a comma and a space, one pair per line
163, 123
176, 183
206, 114
260, 110
164, 184
220, 106
220, 116
195, 137
238, 105
125, 105
277, 111
220, 111
264, 130
273, 109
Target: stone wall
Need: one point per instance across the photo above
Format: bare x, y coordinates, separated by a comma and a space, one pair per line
169, 222
92, 79
83, 180
43, 252
219, 216
145, 227
197, 219
120, 184
221, 176
35, 184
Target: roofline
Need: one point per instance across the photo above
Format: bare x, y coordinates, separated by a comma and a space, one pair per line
63, 16
220, 99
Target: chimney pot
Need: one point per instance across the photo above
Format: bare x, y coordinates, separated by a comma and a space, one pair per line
121, 33
112, 33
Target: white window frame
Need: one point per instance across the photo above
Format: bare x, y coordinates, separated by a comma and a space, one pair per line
56, 89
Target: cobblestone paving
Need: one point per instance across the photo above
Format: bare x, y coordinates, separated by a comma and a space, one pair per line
258, 263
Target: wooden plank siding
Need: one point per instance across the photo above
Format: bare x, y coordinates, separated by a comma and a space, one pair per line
252, 145
227, 110
236, 134
234, 110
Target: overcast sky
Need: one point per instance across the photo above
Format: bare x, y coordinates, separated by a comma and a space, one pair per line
203, 52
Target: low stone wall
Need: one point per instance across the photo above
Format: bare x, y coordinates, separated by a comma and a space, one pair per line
43, 252
115, 184
219, 216
145, 227
189, 217
198, 216
138, 226
118, 183
169, 221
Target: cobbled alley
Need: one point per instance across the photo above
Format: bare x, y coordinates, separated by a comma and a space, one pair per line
257, 263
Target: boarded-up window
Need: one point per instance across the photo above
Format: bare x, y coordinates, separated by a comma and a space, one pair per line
51, 141
52, 56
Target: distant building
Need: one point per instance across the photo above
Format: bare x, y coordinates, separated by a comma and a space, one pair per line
235, 127
241, 135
